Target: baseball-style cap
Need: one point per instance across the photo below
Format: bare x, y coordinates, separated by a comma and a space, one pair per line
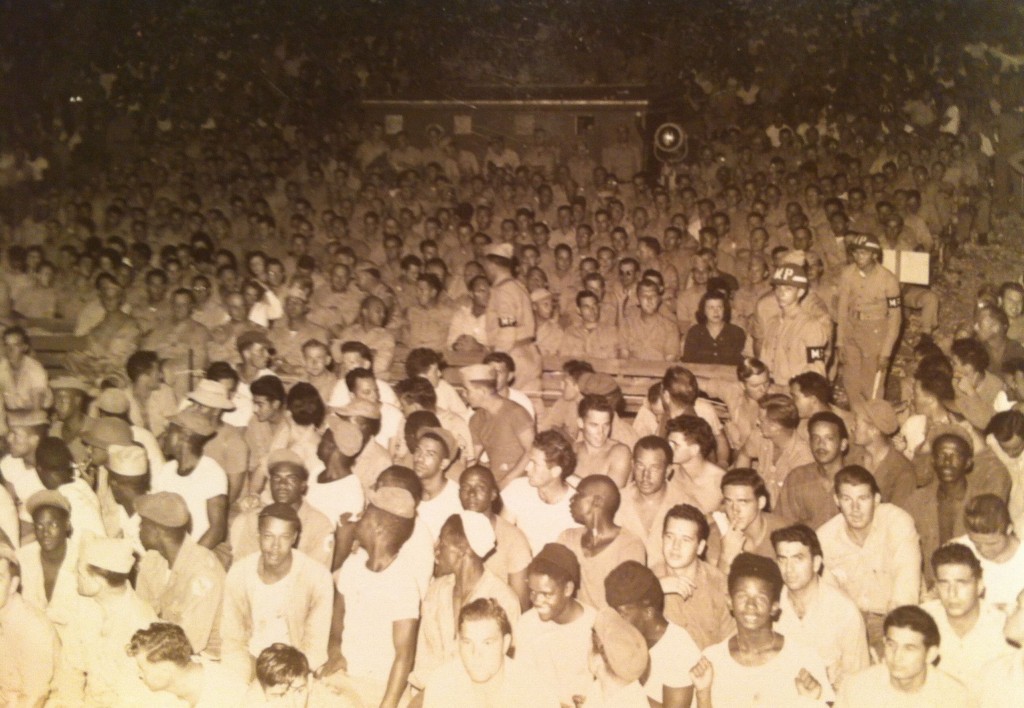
113, 554
360, 407
393, 500
127, 460
597, 384
540, 294
479, 532
284, 456
478, 372
112, 401
211, 394
164, 508
624, 647
790, 275
441, 434
253, 336
104, 432
866, 241
194, 422
47, 497
347, 436
71, 383
501, 250
879, 413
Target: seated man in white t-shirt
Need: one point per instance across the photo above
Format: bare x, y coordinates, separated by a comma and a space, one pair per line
907, 676
992, 538
435, 451
539, 502
553, 638
634, 591
377, 604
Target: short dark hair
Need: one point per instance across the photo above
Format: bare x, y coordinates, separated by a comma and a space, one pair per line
971, 352
280, 664
162, 641
484, 608
418, 391
798, 533
141, 363
356, 347
987, 513
855, 476
574, 368
829, 418
750, 367
681, 385
747, 477
419, 360
688, 512
306, 405
501, 358
594, 402
914, 618
811, 383
749, 565
781, 409
268, 386
956, 554
702, 318
1005, 425
558, 451
696, 430
654, 442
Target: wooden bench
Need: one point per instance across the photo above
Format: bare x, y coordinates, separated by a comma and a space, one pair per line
51, 340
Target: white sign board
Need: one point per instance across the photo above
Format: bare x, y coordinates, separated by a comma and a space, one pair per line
912, 267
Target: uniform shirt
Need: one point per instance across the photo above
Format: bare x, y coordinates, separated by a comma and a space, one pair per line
963, 657
21, 388
464, 322
652, 339
874, 296
832, 626
380, 341
601, 342
794, 343
509, 315
704, 614
628, 517
329, 308
288, 340
428, 327
807, 496
894, 474
187, 593
882, 574
871, 687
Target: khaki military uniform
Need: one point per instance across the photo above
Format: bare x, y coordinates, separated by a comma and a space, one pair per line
869, 318
654, 339
511, 328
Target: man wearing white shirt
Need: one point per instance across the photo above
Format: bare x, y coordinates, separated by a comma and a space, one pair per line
18, 467
539, 502
356, 355
1000, 684
815, 613
991, 538
1006, 439
435, 448
971, 630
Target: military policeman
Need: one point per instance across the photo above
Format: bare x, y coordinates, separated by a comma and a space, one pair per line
869, 318
509, 320
795, 340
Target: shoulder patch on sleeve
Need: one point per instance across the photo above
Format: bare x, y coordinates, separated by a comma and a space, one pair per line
815, 354
894, 302
507, 321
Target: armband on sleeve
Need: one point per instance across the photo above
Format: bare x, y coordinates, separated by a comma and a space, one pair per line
507, 322
815, 354
894, 302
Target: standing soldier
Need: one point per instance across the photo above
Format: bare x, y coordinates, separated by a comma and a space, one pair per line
511, 327
869, 317
795, 340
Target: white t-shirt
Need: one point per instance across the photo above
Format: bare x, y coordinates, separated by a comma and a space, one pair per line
434, 512
769, 685
557, 654
222, 687
672, 657
332, 499
872, 687
269, 613
373, 603
207, 480
517, 396
1003, 581
341, 396
23, 478
539, 521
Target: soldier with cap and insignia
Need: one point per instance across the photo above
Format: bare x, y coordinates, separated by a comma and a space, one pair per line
509, 320
869, 318
795, 341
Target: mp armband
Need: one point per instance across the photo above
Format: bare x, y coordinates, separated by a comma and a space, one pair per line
815, 355
894, 302
507, 322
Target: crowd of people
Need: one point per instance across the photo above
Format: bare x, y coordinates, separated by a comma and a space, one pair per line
255, 480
